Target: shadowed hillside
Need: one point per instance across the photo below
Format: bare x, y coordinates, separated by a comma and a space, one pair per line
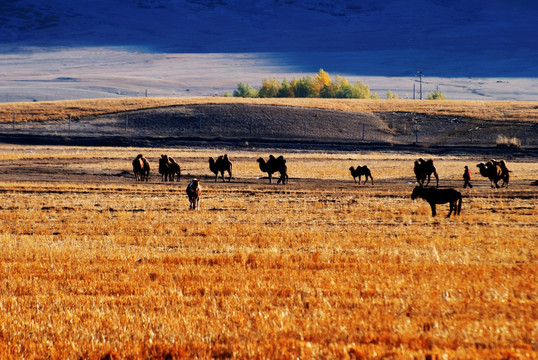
270, 125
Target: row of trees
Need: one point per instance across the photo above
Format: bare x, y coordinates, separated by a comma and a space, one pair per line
318, 86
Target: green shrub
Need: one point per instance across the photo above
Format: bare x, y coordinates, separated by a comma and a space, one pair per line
269, 89
436, 95
245, 90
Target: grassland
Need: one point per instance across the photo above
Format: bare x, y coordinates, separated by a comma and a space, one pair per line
526, 111
95, 265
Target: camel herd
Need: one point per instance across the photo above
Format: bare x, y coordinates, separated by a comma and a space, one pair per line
170, 170
495, 171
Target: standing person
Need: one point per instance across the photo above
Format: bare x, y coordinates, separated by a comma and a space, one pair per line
467, 178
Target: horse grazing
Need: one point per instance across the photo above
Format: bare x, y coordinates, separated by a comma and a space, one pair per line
495, 171
221, 165
141, 168
439, 196
424, 169
274, 165
359, 171
194, 190
169, 168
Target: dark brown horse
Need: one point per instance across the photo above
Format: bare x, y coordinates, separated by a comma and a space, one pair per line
223, 164
359, 171
439, 196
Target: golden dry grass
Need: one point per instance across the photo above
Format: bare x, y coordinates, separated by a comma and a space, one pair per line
96, 265
487, 110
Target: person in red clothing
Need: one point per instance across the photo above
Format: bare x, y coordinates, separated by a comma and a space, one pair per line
467, 178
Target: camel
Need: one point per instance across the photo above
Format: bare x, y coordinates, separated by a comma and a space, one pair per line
424, 169
359, 171
146, 169
173, 170
169, 168
274, 165
439, 196
141, 168
194, 190
221, 165
495, 171
164, 165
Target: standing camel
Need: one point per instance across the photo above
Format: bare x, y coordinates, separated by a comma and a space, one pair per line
274, 165
220, 166
359, 171
141, 168
424, 169
495, 171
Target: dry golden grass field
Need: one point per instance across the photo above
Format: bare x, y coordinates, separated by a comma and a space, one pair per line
94, 265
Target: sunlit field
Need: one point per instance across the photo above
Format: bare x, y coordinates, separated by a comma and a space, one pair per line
95, 265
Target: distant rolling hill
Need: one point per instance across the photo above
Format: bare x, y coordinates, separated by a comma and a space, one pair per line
448, 38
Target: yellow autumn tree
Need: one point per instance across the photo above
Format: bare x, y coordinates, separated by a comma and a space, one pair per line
323, 80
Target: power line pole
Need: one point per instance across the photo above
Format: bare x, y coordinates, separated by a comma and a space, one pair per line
420, 75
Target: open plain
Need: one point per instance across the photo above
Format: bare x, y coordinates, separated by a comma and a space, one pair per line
95, 265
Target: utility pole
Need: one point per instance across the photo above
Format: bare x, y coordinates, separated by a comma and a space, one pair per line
420, 75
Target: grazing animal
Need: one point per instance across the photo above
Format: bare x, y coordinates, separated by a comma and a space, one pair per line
164, 165
173, 170
169, 168
424, 169
359, 171
274, 165
439, 196
194, 190
495, 171
220, 166
146, 169
141, 168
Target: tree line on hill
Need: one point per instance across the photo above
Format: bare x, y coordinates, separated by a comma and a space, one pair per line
318, 86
